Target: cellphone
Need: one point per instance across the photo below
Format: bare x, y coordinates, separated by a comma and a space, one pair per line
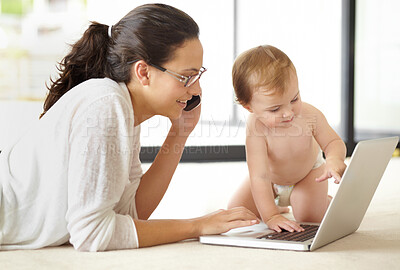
192, 103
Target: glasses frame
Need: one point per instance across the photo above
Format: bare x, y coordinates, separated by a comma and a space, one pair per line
183, 79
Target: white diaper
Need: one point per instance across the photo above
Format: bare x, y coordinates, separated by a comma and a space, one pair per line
320, 160
283, 194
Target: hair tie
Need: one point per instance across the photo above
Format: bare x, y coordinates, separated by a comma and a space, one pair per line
109, 31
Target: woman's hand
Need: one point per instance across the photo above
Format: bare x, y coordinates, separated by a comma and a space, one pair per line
279, 222
185, 124
156, 232
334, 168
222, 221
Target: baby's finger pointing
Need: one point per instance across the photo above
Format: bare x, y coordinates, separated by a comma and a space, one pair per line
322, 177
337, 177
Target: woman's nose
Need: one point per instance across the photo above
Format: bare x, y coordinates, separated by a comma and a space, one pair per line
195, 89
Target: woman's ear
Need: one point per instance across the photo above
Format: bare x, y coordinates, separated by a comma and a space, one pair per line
141, 72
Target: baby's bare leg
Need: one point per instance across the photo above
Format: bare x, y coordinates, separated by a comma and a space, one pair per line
244, 197
309, 199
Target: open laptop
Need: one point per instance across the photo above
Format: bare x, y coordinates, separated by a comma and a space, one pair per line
345, 212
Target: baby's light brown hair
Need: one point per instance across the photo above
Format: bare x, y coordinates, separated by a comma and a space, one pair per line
260, 67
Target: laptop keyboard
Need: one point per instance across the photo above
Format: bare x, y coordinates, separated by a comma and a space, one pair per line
308, 233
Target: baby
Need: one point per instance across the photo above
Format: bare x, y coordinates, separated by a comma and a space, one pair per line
283, 143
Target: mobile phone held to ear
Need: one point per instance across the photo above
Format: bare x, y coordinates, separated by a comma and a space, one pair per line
192, 103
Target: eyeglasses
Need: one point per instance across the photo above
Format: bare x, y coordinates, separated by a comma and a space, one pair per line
186, 80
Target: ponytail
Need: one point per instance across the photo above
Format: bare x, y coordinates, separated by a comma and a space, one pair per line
87, 60
149, 32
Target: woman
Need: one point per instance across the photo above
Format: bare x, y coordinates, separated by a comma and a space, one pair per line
76, 176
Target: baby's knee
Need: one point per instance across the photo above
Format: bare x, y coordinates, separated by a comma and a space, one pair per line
307, 217
309, 214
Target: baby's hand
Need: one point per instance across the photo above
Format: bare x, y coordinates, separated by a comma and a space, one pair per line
334, 168
279, 222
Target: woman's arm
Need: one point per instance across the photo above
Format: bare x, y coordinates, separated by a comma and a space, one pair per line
155, 181
152, 188
156, 232
154, 184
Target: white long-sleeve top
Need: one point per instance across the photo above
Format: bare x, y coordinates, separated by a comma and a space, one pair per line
73, 176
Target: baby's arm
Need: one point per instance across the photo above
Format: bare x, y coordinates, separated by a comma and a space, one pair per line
261, 188
332, 145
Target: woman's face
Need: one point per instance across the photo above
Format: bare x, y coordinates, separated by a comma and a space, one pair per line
167, 95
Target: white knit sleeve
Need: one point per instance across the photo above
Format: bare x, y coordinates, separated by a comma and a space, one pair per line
127, 205
99, 164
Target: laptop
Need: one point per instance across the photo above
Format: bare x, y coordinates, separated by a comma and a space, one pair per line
343, 216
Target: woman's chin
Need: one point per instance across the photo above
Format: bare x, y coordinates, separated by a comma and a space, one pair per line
175, 115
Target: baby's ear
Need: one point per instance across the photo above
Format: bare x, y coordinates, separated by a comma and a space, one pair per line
248, 107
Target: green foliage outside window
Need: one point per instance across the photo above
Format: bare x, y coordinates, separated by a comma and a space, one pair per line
15, 7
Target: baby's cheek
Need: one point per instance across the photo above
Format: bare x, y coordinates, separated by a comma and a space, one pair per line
268, 120
297, 108
272, 121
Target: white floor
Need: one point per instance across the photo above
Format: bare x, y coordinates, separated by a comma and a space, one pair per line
200, 188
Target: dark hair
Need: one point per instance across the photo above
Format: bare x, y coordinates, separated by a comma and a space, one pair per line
149, 32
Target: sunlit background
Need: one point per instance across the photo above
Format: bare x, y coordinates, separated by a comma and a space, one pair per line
34, 36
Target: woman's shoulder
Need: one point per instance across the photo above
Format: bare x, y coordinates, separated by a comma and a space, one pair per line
104, 95
95, 92
98, 98
100, 87
104, 106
